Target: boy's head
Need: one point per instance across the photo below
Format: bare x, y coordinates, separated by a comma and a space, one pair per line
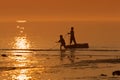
72, 28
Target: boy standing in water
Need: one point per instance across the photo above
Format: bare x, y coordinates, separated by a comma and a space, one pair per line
72, 37
62, 41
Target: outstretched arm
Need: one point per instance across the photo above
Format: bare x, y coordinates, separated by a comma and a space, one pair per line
58, 41
68, 33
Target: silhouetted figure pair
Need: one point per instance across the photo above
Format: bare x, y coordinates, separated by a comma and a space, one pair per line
72, 39
72, 36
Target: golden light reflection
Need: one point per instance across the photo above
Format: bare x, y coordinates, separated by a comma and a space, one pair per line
21, 43
22, 63
21, 21
22, 75
25, 69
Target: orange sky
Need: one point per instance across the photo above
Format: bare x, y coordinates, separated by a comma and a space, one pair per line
65, 10
95, 21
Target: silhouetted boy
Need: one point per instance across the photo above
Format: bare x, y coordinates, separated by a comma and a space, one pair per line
72, 37
62, 41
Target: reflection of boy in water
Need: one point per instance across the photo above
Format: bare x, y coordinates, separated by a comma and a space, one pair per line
71, 56
62, 41
72, 37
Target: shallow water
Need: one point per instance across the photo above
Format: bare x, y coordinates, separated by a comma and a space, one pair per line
59, 65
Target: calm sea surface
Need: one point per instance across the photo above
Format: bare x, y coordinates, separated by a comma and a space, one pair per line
59, 65
23, 56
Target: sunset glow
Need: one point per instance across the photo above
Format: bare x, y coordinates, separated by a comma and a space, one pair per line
59, 39
22, 75
21, 43
60, 10
21, 21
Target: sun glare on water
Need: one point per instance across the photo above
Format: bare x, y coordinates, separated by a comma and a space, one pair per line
21, 21
21, 43
22, 75
22, 59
